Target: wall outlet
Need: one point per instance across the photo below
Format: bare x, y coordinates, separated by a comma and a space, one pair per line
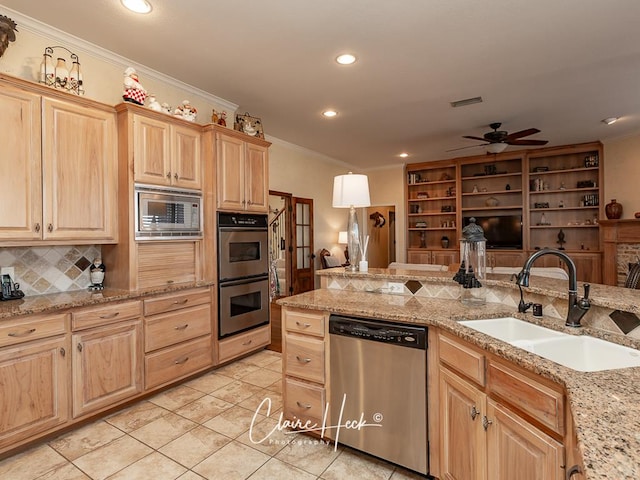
395, 287
8, 271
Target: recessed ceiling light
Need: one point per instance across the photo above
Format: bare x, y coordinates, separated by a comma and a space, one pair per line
404, 155
138, 6
345, 59
610, 120
329, 113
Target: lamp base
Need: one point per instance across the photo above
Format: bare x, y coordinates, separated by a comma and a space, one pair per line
353, 239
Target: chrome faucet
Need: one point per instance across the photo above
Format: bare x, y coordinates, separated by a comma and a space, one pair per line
577, 308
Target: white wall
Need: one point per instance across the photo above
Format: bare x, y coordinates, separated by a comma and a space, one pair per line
622, 173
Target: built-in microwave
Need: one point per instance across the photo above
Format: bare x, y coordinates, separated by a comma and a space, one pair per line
164, 214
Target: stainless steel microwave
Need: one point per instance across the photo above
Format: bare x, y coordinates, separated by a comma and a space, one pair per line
167, 214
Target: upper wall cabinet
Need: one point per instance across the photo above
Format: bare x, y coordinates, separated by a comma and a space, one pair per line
62, 162
242, 173
166, 153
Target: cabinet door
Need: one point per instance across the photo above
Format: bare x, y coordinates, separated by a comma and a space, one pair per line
151, 151
79, 173
588, 267
230, 171
444, 258
21, 179
187, 168
37, 398
166, 263
257, 178
507, 259
516, 449
419, 256
107, 366
463, 446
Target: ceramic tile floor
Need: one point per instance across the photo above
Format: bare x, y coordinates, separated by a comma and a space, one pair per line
199, 430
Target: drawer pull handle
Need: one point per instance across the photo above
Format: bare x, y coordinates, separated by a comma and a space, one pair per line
110, 316
26, 333
303, 325
182, 327
248, 342
181, 361
181, 302
303, 360
304, 405
486, 422
474, 413
169, 281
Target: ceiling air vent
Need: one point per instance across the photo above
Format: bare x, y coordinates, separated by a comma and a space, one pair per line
466, 101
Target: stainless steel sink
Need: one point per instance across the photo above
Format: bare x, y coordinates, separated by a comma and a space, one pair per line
578, 352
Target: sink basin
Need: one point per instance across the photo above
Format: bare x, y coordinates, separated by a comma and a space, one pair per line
586, 354
583, 353
509, 329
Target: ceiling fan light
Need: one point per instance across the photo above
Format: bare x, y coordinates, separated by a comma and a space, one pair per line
496, 147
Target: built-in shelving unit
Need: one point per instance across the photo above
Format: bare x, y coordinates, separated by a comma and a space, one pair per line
557, 193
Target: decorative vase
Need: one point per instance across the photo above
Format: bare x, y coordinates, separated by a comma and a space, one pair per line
613, 210
492, 202
444, 242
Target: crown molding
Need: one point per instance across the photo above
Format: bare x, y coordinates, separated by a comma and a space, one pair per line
42, 29
311, 153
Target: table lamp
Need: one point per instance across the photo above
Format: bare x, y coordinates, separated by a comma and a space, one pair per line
352, 191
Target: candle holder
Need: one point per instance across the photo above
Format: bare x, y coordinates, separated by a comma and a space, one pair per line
58, 75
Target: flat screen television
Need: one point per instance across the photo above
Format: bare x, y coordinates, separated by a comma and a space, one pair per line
504, 231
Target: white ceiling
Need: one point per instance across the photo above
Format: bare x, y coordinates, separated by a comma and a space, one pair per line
557, 65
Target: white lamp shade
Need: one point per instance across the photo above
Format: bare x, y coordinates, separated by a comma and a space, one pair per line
351, 190
342, 238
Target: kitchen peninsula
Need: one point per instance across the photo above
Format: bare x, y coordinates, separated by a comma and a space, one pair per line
598, 413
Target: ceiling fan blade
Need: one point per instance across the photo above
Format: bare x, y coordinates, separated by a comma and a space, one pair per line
468, 146
528, 142
475, 138
521, 133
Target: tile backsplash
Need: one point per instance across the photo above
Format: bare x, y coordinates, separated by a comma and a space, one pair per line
41, 270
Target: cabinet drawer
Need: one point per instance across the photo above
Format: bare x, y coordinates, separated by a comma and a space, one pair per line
531, 397
32, 328
309, 322
243, 343
170, 328
168, 303
462, 359
105, 314
155, 271
303, 402
305, 358
172, 363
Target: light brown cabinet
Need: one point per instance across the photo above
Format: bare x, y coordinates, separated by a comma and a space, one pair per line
588, 265
177, 335
305, 364
34, 373
496, 422
66, 188
243, 343
242, 173
166, 152
436, 257
107, 361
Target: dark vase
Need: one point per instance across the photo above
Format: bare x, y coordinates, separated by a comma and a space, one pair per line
445, 242
613, 210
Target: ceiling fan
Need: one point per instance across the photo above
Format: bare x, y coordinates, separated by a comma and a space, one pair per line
498, 140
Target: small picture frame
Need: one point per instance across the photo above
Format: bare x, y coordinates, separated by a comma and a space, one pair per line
249, 124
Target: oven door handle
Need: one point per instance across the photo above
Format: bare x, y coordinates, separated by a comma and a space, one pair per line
245, 281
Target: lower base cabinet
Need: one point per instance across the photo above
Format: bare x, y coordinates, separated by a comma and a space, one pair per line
34, 385
484, 438
243, 343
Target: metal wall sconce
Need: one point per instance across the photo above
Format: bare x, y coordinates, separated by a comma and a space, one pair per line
58, 75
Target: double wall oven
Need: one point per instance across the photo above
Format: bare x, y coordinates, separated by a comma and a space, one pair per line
243, 272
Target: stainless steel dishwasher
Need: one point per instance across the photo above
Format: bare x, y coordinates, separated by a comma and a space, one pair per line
378, 374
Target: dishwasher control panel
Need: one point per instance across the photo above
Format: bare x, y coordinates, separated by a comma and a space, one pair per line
378, 331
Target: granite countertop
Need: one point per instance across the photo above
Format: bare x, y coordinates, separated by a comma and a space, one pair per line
605, 405
56, 302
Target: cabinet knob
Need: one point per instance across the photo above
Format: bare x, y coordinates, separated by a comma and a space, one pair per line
79, 347
486, 422
169, 175
50, 227
249, 202
63, 352
175, 175
37, 227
